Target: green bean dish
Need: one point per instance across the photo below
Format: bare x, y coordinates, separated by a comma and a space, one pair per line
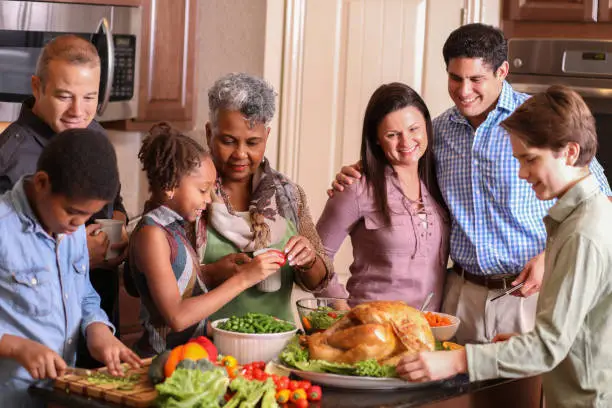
256, 323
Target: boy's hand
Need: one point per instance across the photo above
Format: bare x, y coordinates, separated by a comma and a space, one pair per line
347, 175
432, 365
107, 349
40, 361
532, 275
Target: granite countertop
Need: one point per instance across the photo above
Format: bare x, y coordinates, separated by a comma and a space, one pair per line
332, 397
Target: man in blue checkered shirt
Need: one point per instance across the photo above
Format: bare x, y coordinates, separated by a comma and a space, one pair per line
497, 232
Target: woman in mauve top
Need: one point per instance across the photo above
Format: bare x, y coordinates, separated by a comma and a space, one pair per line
394, 213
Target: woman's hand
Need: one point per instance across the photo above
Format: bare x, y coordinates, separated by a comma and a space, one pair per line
40, 361
107, 349
432, 365
300, 252
262, 266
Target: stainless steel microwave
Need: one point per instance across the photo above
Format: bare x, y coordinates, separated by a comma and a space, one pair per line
26, 26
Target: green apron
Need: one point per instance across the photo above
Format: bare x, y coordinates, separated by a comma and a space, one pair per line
277, 303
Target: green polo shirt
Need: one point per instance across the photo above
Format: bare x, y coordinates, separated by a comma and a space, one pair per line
570, 343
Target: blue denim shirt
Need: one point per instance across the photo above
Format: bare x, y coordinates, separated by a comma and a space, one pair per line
45, 292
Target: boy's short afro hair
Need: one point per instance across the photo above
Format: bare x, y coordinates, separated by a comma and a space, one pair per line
81, 163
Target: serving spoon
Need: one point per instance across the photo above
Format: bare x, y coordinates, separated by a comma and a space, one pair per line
426, 302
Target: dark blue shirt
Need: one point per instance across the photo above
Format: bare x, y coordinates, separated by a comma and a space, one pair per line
21, 145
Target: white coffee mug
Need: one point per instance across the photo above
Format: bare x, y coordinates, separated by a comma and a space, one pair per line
273, 282
112, 228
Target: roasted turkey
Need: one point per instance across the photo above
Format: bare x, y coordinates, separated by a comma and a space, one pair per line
384, 331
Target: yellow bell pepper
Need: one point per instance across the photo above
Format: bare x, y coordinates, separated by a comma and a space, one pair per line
192, 351
229, 362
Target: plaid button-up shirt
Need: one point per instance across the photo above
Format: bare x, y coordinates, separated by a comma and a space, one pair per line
497, 222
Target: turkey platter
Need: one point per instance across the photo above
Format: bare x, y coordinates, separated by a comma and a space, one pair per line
380, 330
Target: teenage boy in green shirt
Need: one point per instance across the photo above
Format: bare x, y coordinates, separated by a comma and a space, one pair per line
553, 137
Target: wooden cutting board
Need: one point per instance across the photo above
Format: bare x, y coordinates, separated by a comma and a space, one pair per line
141, 395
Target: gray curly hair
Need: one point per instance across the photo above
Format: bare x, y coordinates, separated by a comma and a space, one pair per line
250, 95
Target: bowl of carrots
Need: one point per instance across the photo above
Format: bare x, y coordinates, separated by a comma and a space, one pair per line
443, 326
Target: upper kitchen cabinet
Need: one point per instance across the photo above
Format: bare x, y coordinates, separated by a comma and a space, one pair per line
605, 11
167, 66
166, 85
553, 10
557, 18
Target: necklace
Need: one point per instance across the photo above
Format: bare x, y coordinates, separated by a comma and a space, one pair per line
225, 197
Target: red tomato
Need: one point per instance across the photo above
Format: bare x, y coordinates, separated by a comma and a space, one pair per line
305, 385
333, 315
301, 403
283, 383
294, 385
315, 393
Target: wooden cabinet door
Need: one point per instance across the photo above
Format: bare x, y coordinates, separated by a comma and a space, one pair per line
605, 11
167, 61
553, 10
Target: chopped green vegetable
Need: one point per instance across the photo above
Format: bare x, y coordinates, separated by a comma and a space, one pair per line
121, 383
256, 323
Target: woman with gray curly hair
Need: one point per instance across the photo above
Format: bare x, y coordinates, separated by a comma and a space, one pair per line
254, 207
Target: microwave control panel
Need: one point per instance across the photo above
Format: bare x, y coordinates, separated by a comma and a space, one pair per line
125, 68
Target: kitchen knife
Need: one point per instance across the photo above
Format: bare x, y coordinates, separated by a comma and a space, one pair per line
509, 291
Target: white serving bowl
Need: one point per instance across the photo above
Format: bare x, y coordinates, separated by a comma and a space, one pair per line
247, 347
444, 333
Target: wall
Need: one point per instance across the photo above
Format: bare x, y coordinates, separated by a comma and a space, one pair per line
230, 38
219, 51
345, 50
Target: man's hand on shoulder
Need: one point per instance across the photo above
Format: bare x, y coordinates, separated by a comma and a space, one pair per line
346, 177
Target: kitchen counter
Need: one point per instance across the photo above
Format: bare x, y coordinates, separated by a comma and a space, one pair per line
457, 392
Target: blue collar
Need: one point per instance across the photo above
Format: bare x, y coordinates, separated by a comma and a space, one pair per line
505, 102
22, 207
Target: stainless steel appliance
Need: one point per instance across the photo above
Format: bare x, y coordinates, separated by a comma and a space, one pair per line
583, 65
26, 26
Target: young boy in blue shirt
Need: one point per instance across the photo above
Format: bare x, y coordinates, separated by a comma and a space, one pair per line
553, 137
45, 293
